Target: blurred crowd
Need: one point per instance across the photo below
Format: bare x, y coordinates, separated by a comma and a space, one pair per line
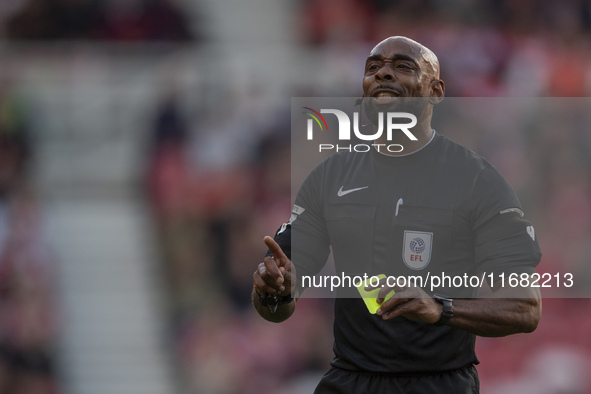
96, 20
218, 180
29, 315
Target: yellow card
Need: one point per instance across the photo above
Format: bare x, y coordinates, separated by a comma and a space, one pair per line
370, 297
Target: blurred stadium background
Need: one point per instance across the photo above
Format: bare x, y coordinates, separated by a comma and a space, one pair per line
144, 153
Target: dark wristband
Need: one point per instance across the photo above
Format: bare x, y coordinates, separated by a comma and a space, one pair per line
447, 310
272, 301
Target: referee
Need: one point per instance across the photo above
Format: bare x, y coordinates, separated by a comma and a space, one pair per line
435, 207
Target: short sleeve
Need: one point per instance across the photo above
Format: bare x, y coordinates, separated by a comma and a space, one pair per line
304, 237
505, 242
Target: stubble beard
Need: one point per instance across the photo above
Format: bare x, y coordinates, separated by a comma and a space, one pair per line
414, 105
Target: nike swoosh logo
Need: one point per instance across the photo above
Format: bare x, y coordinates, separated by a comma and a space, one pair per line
342, 192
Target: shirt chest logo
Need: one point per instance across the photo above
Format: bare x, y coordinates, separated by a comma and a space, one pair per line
342, 192
416, 250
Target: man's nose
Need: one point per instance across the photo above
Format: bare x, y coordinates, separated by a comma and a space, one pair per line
385, 73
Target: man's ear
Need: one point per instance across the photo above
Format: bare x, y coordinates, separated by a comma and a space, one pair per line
437, 91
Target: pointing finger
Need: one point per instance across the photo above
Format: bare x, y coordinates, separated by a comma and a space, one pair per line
275, 250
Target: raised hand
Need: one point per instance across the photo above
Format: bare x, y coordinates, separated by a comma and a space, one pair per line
275, 275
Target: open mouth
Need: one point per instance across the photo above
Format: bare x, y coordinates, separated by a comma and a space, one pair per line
385, 94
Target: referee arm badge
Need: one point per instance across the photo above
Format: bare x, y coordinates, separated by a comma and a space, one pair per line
296, 210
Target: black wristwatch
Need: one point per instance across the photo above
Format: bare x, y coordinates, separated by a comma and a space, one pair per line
272, 301
447, 310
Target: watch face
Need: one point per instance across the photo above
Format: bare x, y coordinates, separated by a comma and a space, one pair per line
441, 299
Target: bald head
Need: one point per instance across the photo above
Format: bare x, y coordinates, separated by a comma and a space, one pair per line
401, 67
427, 56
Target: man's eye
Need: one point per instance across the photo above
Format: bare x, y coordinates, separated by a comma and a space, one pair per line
372, 67
406, 66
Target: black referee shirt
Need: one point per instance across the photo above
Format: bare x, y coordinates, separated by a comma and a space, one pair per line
441, 210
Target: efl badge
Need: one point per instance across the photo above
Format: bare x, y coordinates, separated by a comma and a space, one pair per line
416, 252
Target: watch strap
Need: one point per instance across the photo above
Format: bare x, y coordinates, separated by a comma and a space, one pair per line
272, 301
447, 312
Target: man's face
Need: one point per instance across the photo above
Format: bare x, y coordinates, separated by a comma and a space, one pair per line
397, 68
